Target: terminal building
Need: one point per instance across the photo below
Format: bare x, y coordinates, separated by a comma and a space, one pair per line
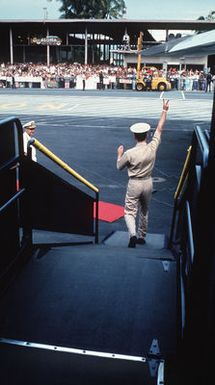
96, 41
196, 51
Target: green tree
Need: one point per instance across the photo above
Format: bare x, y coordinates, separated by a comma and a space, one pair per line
92, 9
108, 9
211, 16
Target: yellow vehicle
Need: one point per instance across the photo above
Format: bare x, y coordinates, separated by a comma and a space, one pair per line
153, 82
148, 78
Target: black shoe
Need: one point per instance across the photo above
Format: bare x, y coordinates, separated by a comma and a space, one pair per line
140, 241
132, 242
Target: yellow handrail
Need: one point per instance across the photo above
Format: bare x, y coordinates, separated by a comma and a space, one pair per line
62, 164
183, 174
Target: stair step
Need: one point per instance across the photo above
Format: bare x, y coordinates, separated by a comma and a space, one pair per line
120, 238
155, 246
115, 245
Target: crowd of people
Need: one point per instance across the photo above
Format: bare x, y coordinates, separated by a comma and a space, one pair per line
79, 76
190, 80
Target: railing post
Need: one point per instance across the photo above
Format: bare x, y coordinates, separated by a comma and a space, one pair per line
170, 242
97, 219
179, 188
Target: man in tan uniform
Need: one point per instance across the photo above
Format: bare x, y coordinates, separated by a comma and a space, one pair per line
140, 161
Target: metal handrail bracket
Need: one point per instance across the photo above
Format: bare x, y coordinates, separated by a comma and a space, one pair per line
190, 232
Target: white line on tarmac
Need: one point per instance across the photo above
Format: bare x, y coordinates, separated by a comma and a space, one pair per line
183, 96
175, 97
73, 107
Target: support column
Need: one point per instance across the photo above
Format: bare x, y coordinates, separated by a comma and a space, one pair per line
67, 45
85, 47
67, 39
11, 46
167, 33
24, 57
93, 52
48, 49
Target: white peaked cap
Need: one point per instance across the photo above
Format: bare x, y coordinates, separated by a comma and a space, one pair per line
140, 128
30, 124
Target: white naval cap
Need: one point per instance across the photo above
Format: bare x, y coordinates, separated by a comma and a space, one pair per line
140, 128
30, 124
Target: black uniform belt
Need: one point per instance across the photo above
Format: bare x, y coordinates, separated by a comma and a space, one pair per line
139, 177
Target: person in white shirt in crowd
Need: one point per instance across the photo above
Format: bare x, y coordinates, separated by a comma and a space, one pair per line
29, 130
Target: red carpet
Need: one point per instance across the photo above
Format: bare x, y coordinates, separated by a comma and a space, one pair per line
109, 212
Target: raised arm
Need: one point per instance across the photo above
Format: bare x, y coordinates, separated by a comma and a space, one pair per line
162, 120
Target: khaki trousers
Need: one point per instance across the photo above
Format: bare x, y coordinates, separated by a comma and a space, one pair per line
137, 201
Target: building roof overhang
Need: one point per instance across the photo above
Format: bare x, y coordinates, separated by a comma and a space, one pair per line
114, 29
103, 25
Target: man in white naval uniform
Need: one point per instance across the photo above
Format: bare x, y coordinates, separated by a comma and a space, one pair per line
27, 134
140, 161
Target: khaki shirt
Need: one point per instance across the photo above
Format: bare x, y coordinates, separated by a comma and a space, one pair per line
140, 159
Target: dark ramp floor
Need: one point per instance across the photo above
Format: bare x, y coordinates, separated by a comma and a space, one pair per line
96, 297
